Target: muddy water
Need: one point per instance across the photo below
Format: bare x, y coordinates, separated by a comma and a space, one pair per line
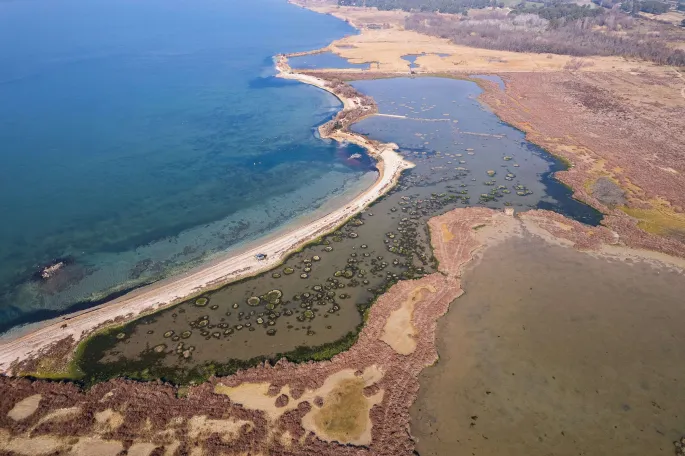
454, 144
553, 351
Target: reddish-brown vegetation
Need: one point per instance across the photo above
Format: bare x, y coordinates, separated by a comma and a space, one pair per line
618, 126
164, 415
158, 403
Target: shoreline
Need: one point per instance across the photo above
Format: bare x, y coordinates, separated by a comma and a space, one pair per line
288, 400
540, 91
217, 273
237, 249
286, 406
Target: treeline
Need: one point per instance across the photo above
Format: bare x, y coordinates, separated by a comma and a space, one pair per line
651, 6
435, 6
568, 11
553, 9
636, 6
531, 33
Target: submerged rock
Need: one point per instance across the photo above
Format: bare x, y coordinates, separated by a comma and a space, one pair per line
49, 271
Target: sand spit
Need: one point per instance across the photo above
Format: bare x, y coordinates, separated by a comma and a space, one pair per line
63, 334
355, 404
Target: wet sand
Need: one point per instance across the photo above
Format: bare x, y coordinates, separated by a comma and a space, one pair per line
555, 351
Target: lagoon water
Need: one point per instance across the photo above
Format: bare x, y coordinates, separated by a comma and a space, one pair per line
555, 351
140, 137
324, 60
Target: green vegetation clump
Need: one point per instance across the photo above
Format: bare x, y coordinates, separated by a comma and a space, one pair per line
273, 296
649, 6
149, 368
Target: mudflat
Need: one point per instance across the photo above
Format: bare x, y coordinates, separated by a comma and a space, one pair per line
556, 351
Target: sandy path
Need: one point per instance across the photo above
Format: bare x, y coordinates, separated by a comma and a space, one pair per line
682, 91
174, 290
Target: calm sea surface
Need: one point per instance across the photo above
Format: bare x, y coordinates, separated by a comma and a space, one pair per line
138, 138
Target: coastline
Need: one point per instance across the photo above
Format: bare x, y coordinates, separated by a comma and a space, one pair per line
282, 408
221, 271
71, 329
283, 404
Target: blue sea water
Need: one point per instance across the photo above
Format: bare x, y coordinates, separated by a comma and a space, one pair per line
139, 137
324, 60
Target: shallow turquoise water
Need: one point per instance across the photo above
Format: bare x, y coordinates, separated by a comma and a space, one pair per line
139, 137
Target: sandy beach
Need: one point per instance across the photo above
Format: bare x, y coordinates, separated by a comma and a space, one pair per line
72, 328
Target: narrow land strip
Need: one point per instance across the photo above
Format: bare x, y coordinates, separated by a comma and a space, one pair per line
74, 328
355, 404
